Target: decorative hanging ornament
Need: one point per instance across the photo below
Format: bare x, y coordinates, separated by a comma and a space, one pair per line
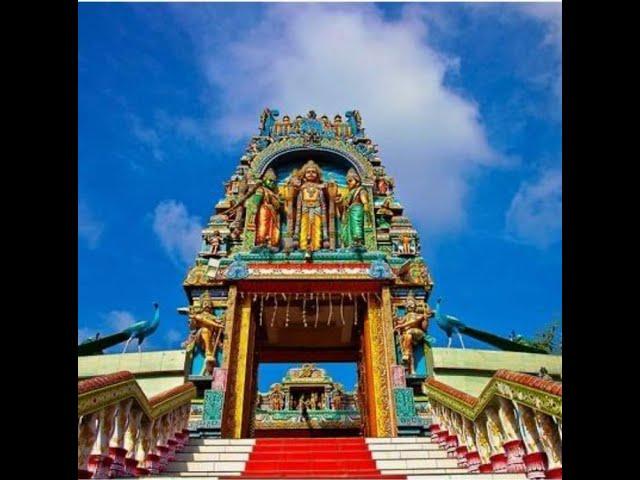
261, 308
317, 310
275, 308
304, 309
286, 320
355, 311
330, 310
342, 308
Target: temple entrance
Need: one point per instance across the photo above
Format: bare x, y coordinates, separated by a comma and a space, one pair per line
307, 327
332, 323
307, 400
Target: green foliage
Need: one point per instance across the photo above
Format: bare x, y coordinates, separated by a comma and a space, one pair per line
548, 339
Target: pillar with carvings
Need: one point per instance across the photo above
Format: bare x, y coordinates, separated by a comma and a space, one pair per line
162, 449
482, 442
535, 460
454, 434
513, 444
172, 441
434, 428
440, 436
116, 450
87, 434
472, 456
100, 461
496, 440
132, 440
153, 457
551, 443
144, 447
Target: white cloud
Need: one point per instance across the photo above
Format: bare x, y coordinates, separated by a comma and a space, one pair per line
333, 58
550, 16
89, 228
179, 232
535, 214
148, 136
119, 320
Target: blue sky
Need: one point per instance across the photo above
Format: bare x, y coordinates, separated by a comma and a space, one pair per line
464, 101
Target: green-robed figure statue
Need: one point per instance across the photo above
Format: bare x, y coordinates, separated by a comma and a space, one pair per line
355, 208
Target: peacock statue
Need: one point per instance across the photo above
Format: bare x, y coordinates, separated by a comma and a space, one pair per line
143, 329
139, 330
450, 325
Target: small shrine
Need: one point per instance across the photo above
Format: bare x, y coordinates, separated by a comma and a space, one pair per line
307, 399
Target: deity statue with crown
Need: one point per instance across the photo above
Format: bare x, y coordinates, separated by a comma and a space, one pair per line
411, 328
311, 210
355, 209
206, 330
266, 211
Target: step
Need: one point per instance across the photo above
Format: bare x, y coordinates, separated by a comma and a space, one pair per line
396, 447
221, 441
313, 454
317, 474
310, 464
212, 457
425, 463
395, 440
470, 476
205, 466
407, 454
217, 449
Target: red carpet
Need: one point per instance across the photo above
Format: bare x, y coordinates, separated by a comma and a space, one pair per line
329, 458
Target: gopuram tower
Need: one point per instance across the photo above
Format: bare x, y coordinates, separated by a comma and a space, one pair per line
309, 258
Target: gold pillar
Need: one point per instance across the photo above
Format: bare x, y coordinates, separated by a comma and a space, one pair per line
228, 325
378, 351
239, 389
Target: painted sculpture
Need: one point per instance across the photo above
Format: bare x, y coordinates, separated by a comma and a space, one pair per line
267, 212
411, 328
356, 209
206, 331
143, 329
311, 210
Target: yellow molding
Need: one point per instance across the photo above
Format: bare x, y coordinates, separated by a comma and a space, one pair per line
96, 400
536, 399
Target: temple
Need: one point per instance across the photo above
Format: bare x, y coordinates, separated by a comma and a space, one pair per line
307, 399
309, 258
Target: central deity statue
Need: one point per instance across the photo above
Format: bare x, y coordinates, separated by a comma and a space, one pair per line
311, 210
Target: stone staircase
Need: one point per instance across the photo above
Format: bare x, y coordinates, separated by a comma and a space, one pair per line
413, 458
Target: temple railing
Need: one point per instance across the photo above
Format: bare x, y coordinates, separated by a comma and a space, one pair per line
122, 433
514, 425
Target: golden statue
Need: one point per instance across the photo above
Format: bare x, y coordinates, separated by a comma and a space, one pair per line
311, 210
276, 399
336, 400
411, 329
208, 329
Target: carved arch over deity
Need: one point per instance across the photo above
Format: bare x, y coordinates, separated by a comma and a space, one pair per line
354, 159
